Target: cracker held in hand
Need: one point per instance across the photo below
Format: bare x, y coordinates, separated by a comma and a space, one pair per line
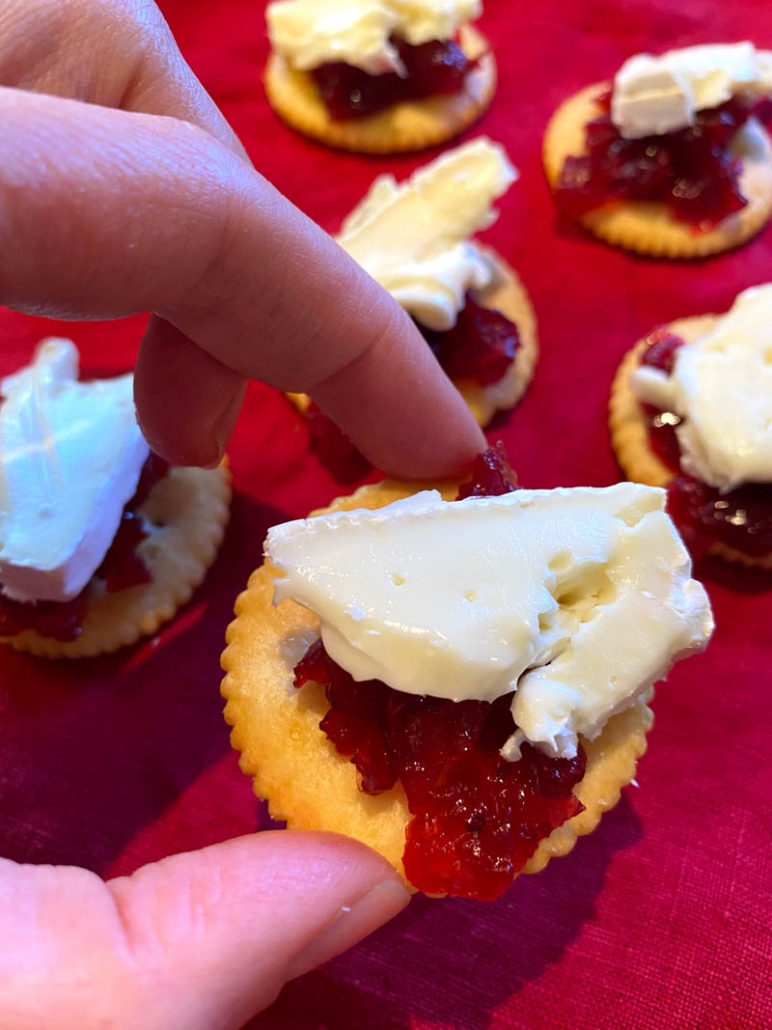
642, 173
691, 410
308, 783
404, 86
101, 541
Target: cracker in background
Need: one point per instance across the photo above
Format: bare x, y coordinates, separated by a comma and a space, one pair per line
630, 431
185, 515
647, 226
403, 127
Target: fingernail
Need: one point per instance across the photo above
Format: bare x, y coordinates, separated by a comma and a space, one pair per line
350, 926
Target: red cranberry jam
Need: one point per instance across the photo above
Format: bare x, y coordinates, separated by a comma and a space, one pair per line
477, 818
122, 568
692, 170
481, 345
740, 519
433, 69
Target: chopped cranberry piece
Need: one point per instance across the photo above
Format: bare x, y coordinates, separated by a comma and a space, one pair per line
741, 519
122, 566
492, 475
55, 619
662, 436
477, 818
481, 346
333, 448
660, 350
691, 170
432, 69
153, 471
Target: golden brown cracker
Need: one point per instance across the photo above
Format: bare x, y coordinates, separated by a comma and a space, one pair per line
630, 431
185, 515
408, 126
648, 227
311, 786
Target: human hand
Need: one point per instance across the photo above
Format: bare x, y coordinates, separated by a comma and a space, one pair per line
123, 190
200, 941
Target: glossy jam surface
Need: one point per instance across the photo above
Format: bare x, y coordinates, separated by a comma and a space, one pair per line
492, 475
477, 818
692, 170
122, 568
740, 519
660, 352
433, 69
481, 345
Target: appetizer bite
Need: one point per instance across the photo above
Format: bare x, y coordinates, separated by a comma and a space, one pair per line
672, 159
459, 678
691, 410
100, 540
378, 76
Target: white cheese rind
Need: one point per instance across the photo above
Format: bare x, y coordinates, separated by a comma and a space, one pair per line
71, 456
576, 600
721, 388
413, 238
656, 95
309, 33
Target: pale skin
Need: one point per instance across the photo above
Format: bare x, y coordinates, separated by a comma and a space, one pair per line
123, 190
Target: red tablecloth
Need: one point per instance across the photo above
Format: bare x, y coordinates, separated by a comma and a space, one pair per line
661, 919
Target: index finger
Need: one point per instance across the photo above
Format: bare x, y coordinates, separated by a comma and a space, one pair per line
152, 214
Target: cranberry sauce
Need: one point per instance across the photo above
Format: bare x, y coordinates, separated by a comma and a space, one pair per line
660, 352
740, 519
691, 170
477, 818
481, 345
433, 69
492, 475
122, 568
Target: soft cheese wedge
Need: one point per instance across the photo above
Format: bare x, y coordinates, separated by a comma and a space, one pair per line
575, 601
721, 389
655, 95
71, 455
414, 237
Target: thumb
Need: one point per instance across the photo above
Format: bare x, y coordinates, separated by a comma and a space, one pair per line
199, 941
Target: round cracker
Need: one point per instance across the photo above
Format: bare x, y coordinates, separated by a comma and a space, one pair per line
408, 126
508, 295
185, 515
647, 226
630, 430
307, 783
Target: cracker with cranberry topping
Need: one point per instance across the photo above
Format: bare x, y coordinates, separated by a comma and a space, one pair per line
183, 518
307, 782
648, 226
630, 431
408, 125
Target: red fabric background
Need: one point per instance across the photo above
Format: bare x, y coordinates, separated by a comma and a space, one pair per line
661, 919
